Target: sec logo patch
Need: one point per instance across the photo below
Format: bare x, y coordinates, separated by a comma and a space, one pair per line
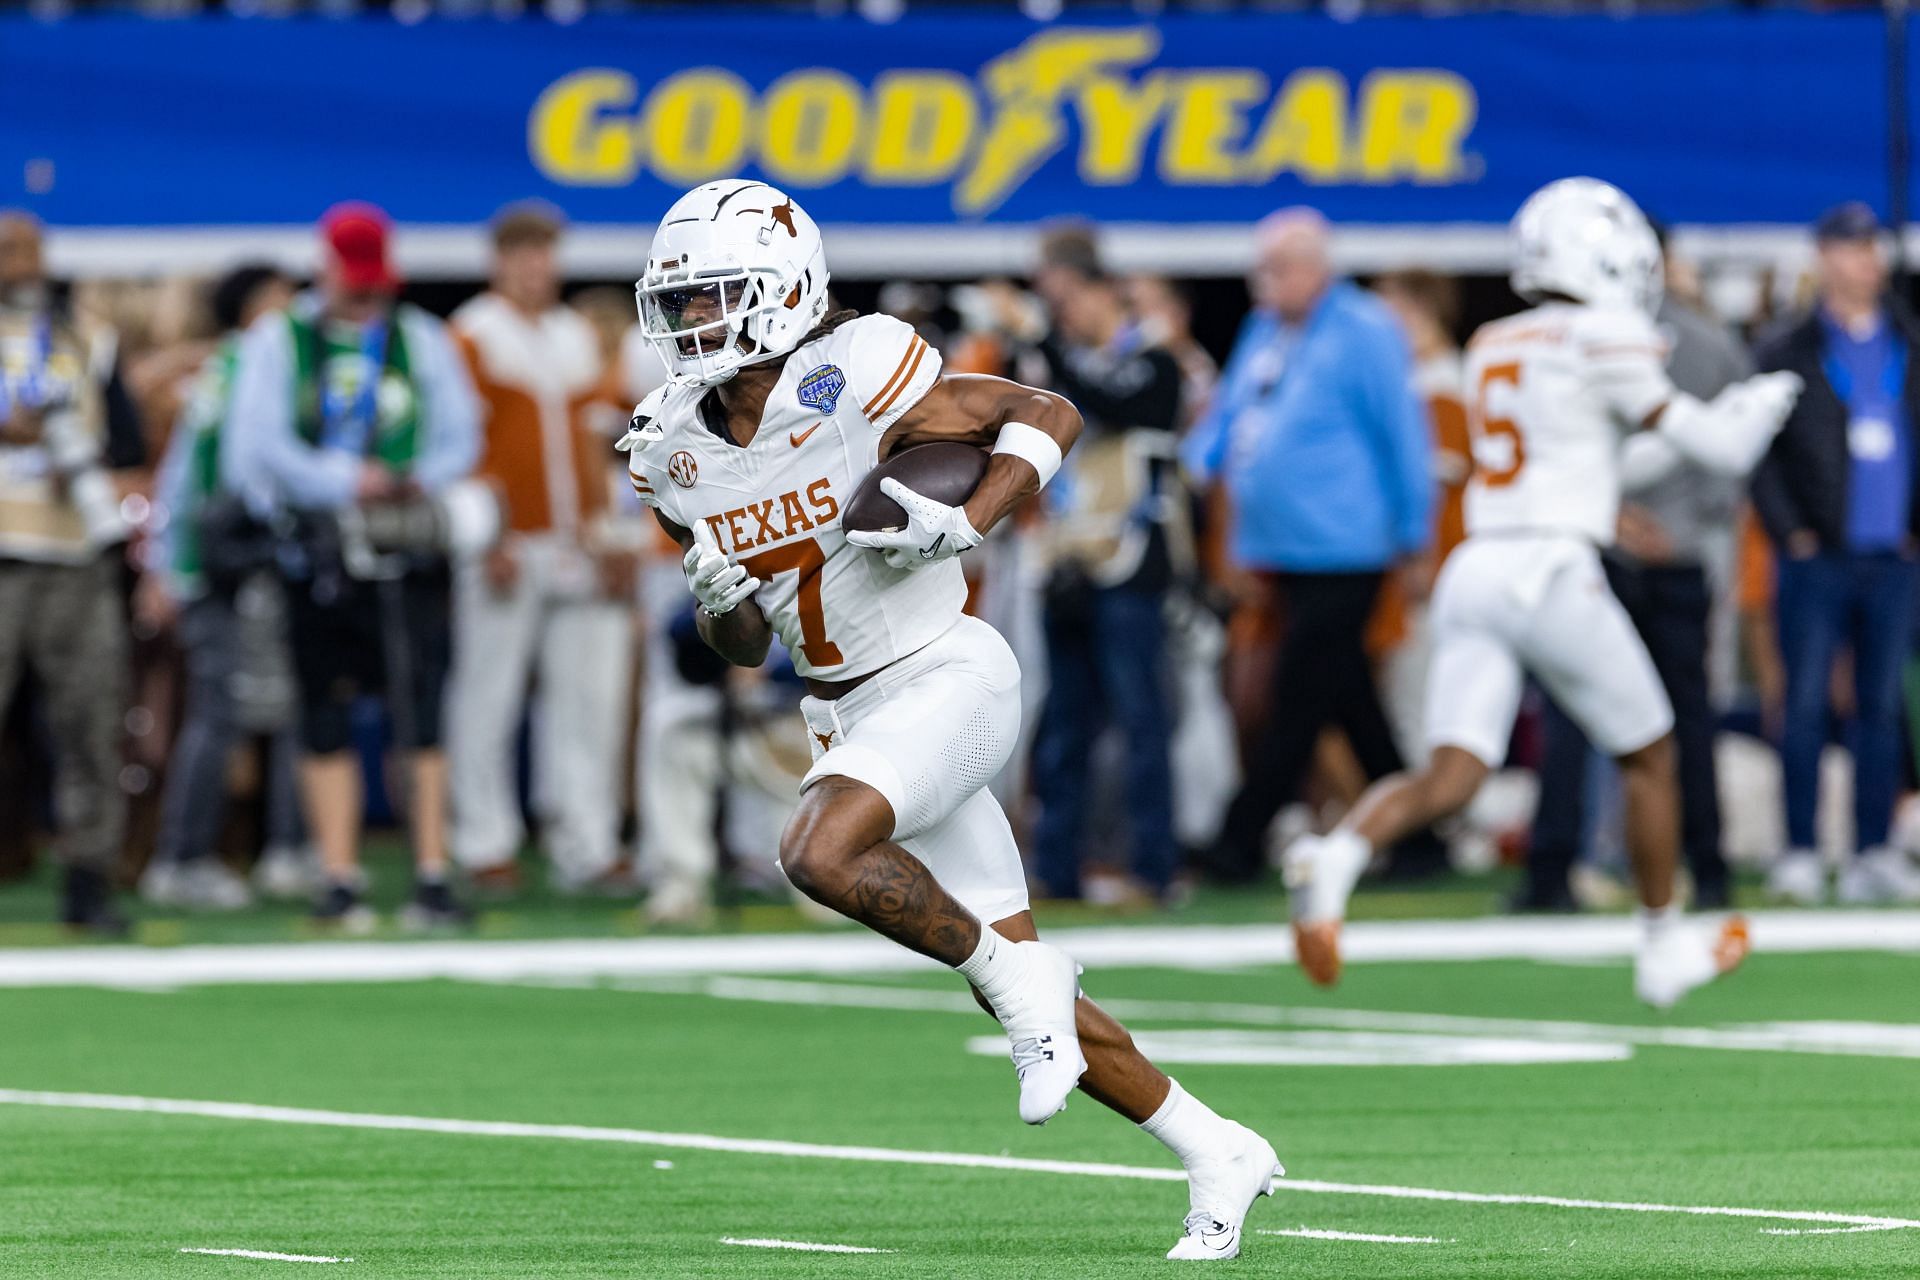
820, 390
682, 469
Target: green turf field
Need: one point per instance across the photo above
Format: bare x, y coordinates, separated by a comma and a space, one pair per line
87, 1192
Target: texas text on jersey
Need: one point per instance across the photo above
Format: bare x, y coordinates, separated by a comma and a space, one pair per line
774, 505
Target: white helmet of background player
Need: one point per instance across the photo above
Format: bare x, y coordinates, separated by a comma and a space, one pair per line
736, 275
1584, 239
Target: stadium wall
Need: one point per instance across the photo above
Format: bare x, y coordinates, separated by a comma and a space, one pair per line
173, 143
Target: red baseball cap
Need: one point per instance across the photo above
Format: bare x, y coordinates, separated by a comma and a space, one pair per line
357, 235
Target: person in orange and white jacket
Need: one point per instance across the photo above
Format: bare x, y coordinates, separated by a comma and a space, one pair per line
551, 603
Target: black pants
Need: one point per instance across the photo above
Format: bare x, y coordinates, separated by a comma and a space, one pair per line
346, 635
1322, 678
193, 804
1669, 607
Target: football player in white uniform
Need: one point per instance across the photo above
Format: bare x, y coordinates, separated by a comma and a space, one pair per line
1561, 398
775, 413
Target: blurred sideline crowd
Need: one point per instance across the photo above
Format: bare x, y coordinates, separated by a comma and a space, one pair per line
279, 561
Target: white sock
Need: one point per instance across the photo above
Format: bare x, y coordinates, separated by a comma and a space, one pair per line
995, 965
1344, 832
1655, 921
1185, 1124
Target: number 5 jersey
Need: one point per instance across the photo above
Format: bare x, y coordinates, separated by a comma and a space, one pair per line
1552, 395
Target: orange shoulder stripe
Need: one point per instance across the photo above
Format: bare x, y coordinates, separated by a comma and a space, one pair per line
910, 356
919, 353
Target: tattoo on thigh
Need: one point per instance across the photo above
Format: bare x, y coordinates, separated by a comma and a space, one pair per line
897, 896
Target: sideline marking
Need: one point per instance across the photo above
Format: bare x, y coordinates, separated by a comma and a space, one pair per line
1347, 1049
1206, 948
1364, 1237
266, 1255
805, 1246
1858, 1039
1824, 1231
874, 1155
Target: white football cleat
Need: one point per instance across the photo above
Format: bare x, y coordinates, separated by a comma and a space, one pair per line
1039, 1018
1798, 876
198, 884
1879, 876
1220, 1193
1320, 872
1682, 958
286, 872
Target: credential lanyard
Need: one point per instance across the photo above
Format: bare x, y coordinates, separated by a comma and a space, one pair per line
31, 390
1893, 375
350, 426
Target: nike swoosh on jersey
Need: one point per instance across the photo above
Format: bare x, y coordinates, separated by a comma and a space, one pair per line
796, 439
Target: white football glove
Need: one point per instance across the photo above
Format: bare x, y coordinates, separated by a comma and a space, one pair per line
1733, 431
716, 582
934, 531
1771, 396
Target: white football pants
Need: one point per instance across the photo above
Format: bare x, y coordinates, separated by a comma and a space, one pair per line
552, 625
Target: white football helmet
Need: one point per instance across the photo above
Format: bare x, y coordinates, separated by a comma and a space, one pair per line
737, 275
1584, 239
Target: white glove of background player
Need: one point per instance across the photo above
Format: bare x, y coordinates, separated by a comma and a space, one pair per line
935, 531
716, 582
1731, 433
1771, 396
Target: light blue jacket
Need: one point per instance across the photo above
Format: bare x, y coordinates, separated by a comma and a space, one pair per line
1321, 440
265, 460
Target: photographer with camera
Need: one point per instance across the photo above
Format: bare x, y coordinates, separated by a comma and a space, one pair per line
353, 426
60, 528
210, 576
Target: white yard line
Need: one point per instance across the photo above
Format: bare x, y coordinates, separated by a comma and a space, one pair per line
1825, 1231
1200, 947
1363, 1237
266, 1255
875, 1155
804, 1246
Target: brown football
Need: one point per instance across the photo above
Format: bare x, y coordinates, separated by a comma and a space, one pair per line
946, 471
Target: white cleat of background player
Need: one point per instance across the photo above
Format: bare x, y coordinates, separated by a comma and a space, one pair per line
1677, 955
1320, 872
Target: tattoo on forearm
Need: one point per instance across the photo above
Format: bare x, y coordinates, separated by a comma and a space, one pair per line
893, 894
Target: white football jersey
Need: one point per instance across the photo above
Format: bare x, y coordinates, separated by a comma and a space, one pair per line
775, 505
1552, 393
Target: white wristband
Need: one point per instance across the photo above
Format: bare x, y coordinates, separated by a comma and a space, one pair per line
1032, 444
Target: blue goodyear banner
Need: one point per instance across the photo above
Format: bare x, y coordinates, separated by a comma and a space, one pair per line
1706, 118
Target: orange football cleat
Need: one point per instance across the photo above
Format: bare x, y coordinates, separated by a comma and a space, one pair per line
1733, 944
1316, 945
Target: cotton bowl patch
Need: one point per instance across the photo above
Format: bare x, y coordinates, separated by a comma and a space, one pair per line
820, 390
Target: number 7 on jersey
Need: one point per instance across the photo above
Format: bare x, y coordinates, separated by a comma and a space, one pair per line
805, 557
